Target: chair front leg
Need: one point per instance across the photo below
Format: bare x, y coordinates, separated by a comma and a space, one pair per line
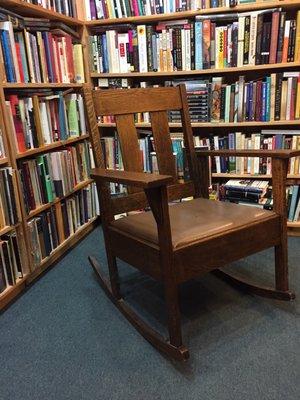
158, 201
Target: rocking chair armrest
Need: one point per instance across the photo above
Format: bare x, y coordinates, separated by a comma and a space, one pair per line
249, 153
138, 179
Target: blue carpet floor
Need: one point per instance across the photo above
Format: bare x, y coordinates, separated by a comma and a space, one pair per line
63, 339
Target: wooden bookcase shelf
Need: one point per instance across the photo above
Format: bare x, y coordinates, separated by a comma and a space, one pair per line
3, 161
212, 71
213, 125
192, 14
248, 176
45, 207
52, 146
11, 292
19, 86
32, 10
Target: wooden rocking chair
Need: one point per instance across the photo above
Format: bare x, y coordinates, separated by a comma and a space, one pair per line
176, 243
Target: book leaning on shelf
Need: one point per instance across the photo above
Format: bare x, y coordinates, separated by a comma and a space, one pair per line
45, 117
8, 207
51, 228
40, 51
65, 7
216, 41
10, 261
99, 9
54, 175
2, 148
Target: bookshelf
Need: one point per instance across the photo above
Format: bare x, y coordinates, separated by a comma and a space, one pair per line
14, 158
93, 27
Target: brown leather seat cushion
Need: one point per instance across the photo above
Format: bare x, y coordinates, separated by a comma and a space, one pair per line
193, 221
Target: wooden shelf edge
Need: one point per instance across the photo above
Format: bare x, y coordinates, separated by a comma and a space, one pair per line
33, 10
212, 71
19, 86
191, 14
62, 248
293, 224
45, 207
3, 160
11, 292
8, 229
49, 147
248, 176
212, 125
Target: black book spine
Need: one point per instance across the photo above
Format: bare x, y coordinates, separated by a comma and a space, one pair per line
246, 39
278, 89
223, 100
280, 37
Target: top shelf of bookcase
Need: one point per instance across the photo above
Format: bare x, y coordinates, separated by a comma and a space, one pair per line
33, 10
286, 4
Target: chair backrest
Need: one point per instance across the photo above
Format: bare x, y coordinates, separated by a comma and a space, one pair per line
123, 104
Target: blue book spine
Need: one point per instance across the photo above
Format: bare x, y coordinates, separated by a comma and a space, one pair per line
154, 52
268, 98
293, 202
263, 103
48, 56
105, 55
198, 45
62, 118
214, 3
7, 55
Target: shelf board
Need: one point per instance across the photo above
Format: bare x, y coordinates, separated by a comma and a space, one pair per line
192, 14
212, 125
8, 229
32, 10
45, 207
49, 147
61, 249
3, 160
212, 71
11, 292
19, 86
294, 224
248, 176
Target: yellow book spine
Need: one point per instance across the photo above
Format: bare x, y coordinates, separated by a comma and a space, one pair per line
297, 44
297, 108
78, 63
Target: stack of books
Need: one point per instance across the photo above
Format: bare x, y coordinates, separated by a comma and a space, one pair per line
54, 175
40, 51
10, 261
99, 9
247, 192
52, 227
66, 7
45, 118
8, 207
219, 41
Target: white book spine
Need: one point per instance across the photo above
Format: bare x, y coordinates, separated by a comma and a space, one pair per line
241, 29
142, 48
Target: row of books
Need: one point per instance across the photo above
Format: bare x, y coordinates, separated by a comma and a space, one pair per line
42, 52
10, 261
99, 9
8, 207
66, 7
266, 139
2, 148
45, 117
293, 203
52, 227
260, 37
272, 98
54, 175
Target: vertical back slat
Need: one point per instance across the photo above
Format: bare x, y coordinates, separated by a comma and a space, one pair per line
130, 148
163, 143
189, 142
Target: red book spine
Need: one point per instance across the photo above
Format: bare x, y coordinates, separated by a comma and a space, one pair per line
274, 37
52, 55
70, 60
58, 55
20, 138
19, 60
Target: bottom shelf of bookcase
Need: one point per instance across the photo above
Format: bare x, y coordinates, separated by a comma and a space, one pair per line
62, 248
11, 292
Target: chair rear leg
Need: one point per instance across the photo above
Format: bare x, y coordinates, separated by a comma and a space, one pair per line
113, 273
281, 266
